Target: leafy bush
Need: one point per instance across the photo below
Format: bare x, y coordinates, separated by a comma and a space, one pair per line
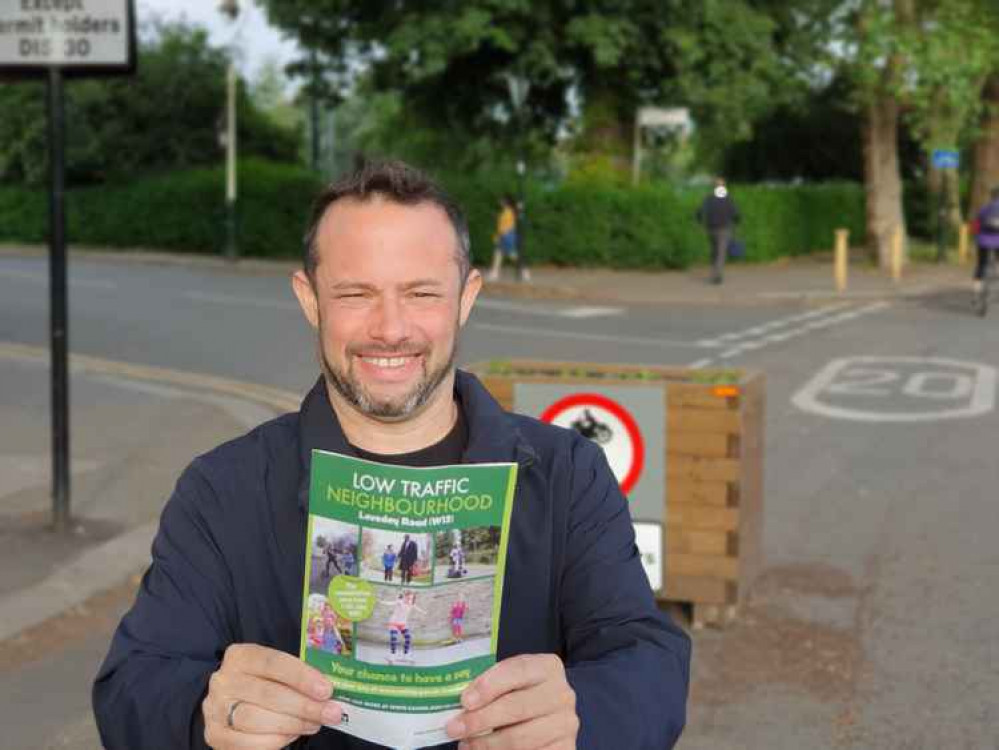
589, 224
600, 224
183, 211
166, 116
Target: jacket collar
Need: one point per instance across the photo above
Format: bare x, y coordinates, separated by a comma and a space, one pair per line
492, 435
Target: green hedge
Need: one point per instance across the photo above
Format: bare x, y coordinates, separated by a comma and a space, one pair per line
654, 227
182, 211
571, 225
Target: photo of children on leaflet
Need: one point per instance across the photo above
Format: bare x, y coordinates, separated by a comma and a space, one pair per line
334, 552
466, 553
395, 557
327, 631
427, 627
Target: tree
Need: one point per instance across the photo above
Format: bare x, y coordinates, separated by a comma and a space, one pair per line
942, 90
452, 63
986, 148
877, 70
166, 116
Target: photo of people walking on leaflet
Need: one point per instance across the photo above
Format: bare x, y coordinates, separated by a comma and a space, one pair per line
466, 553
334, 548
395, 557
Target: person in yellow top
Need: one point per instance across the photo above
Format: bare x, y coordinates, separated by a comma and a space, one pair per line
505, 236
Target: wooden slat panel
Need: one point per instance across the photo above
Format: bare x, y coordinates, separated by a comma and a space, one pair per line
697, 396
678, 490
702, 565
707, 469
690, 516
706, 444
501, 390
681, 588
697, 542
679, 421
751, 484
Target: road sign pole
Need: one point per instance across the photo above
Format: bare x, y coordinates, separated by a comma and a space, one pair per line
57, 288
942, 218
93, 41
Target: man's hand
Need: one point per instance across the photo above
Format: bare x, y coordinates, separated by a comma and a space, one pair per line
264, 698
525, 701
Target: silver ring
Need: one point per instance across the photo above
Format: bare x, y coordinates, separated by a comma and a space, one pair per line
232, 714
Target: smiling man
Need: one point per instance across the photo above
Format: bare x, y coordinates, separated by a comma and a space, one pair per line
206, 656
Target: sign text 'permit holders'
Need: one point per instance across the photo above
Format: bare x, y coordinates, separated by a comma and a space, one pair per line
81, 37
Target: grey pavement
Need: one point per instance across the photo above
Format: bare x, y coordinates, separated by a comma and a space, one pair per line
131, 438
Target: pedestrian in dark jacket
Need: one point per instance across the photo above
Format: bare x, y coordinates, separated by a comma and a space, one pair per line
407, 559
208, 654
986, 236
719, 215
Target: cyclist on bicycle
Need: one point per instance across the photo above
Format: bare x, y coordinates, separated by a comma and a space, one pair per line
986, 229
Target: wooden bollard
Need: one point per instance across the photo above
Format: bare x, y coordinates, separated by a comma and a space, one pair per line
841, 259
897, 244
963, 243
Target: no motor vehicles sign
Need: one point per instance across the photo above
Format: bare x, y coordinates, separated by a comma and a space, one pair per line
627, 422
86, 34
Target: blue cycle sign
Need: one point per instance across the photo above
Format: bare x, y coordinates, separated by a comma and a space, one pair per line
945, 158
66, 33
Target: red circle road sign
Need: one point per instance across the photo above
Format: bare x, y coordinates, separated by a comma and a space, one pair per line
627, 455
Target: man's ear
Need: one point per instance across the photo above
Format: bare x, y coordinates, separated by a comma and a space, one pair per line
473, 284
306, 295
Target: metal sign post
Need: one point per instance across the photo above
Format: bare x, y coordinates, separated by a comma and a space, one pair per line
74, 38
946, 160
58, 323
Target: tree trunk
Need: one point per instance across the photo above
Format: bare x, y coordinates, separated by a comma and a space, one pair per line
882, 180
604, 145
986, 155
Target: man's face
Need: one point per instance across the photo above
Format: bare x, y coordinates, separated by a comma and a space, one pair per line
388, 304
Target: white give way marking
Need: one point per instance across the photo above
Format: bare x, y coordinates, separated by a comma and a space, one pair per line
783, 329
548, 311
899, 389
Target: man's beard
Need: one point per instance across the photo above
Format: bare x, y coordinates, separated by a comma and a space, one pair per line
352, 391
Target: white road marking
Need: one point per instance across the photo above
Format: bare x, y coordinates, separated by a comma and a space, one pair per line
821, 294
811, 321
772, 325
591, 312
548, 311
229, 299
701, 363
973, 391
609, 338
42, 278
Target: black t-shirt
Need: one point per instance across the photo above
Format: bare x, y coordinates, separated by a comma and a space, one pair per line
445, 452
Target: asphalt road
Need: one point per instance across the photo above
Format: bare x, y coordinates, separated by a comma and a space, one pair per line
873, 625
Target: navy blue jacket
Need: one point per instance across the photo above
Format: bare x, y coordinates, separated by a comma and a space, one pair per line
229, 559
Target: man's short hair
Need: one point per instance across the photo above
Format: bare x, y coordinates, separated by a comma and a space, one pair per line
394, 181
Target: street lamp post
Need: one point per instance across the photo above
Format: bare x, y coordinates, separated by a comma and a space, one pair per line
518, 87
231, 9
314, 109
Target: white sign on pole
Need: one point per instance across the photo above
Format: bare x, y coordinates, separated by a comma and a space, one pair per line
665, 117
66, 33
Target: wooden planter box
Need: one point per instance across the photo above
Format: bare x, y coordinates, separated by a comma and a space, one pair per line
713, 470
